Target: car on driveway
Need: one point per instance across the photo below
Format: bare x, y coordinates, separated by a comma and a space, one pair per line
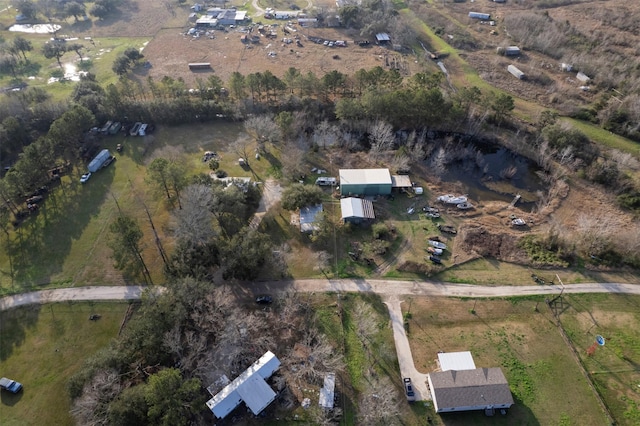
408, 390
85, 177
10, 385
264, 299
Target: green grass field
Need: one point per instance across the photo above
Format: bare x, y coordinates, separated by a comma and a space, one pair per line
537, 362
42, 347
66, 243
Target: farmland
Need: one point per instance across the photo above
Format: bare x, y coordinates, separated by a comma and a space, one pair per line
501, 155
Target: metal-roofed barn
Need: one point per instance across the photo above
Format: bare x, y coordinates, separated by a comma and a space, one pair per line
250, 387
383, 38
365, 182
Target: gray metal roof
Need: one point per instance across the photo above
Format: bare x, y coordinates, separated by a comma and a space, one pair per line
356, 207
365, 176
473, 389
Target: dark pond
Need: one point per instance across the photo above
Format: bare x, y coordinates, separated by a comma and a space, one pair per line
496, 174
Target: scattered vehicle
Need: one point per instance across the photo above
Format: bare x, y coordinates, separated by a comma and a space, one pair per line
10, 385
435, 260
35, 199
119, 147
108, 161
516, 221
135, 129
411, 210
465, 206
452, 199
408, 390
447, 229
264, 299
435, 251
142, 131
438, 244
326, 181
85, 177
208, 155
94, 317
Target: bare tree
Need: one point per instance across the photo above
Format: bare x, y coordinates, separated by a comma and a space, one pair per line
263, 129
195, 221
381, 137
91, 408
379, 403
242, 148
293, 164
326, 134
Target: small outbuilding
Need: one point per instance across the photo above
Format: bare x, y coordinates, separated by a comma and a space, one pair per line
401, 182
249, 387
456, 361
356, 210
365, 182
383, 38
308, 217
513, 70
327, 393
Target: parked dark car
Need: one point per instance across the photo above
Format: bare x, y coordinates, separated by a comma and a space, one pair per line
435, 260
264, 299
408, 389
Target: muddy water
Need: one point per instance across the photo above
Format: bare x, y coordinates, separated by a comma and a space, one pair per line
497, 174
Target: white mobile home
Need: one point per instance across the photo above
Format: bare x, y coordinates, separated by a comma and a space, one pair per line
250, 387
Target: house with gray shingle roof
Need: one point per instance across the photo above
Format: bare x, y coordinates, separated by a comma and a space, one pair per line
468, 390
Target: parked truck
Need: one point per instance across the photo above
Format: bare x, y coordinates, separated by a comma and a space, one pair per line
99, 160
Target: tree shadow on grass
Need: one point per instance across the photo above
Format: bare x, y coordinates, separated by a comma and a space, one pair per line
14, 324
44, 242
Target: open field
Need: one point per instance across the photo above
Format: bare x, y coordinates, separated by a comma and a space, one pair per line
42, 347
72, 226
536, 361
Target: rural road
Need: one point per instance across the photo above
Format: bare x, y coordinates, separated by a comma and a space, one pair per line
381, 287
390, 291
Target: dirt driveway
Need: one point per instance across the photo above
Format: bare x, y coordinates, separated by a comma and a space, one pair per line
271, 194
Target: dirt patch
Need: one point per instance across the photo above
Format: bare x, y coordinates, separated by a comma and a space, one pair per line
171, 51
482, 241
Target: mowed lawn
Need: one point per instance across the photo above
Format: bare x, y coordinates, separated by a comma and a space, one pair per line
546, 382
66, 244
42, 347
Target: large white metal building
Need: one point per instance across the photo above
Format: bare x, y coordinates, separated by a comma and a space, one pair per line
249, 387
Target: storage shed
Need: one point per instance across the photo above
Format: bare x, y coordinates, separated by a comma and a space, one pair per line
365, 182
401, 182
250, 387
468, 390
383, 38
356, 210
512, 51
327, 393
